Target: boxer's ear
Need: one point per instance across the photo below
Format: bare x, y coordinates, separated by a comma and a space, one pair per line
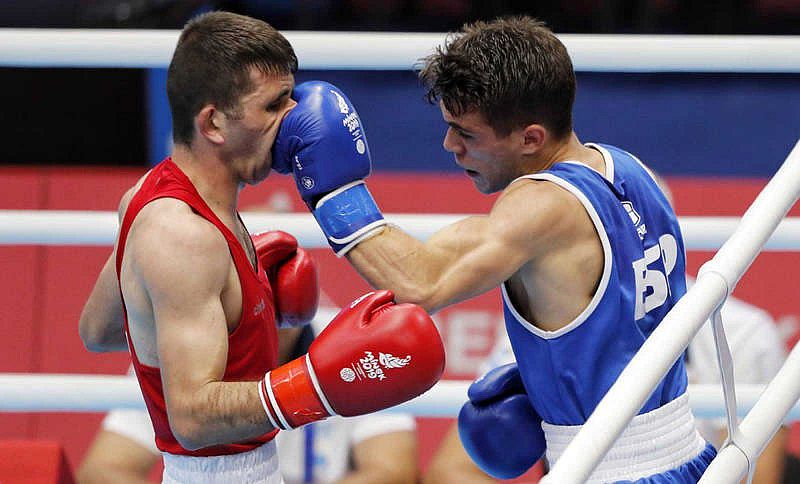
210, 124
534, 137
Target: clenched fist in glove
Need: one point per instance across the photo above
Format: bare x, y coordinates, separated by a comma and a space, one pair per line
322, 142
374, 354
499, 427
292, 275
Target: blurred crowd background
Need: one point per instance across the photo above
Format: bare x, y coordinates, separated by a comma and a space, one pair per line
578, 16
78, 98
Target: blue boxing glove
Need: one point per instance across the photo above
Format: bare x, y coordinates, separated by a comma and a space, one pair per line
321, 141
498, 426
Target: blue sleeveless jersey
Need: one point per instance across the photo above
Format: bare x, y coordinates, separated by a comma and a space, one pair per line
567, 372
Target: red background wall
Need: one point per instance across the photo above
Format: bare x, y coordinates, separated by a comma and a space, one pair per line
43, 288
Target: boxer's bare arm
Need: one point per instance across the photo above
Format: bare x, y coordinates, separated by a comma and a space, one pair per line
451, 463
287, 339
475, 254
101, 324
371, 464
183, 262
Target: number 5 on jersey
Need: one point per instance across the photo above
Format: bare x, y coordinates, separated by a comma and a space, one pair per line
652, 285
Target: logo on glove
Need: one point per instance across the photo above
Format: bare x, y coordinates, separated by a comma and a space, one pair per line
308, 183
370, 367
347, 374
352, 123
390, 361
343, 107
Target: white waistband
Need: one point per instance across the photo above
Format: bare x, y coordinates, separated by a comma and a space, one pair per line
654, 442
257, 466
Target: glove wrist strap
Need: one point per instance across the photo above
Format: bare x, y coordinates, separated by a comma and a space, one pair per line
293, 397
347, 216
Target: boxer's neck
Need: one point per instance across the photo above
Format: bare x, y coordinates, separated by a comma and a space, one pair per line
210, 176
569, 149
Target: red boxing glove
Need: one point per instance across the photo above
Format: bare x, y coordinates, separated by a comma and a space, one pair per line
292, 275
373, 355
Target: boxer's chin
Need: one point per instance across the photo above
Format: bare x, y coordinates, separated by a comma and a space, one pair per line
482, 185
260, 173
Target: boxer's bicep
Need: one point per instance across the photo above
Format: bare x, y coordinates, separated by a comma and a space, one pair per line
482, 252
184, 271
460, 261
475, 256
469, 257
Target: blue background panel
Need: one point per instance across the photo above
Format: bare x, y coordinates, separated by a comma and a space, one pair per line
680, 124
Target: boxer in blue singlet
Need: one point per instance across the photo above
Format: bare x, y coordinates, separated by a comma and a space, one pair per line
585, 247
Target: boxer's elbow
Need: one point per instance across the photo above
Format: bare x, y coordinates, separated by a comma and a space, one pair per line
424, 295
190, 440
91, 335
99, 337
190, 433
192, 424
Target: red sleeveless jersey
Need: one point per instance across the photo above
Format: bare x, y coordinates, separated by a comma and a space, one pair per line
253, 345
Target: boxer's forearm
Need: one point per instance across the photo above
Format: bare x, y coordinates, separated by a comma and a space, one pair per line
396, 261
371, 465
460, 261
218, 413
451, 463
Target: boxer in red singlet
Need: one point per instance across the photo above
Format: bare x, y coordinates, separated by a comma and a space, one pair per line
197, 301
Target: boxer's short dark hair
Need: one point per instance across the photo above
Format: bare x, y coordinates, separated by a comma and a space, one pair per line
514, 71
212, 64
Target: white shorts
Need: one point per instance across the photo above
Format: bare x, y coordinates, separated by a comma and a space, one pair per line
653, 443
258, 466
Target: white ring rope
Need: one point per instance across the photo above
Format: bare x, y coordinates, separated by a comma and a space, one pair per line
38, 392
60, 227
401, 51
716, 281
760, 424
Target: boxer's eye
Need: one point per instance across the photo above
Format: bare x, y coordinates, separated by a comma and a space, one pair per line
278, 103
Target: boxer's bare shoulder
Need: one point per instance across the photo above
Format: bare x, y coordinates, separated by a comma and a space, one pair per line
564, 252
177, 278
168, 224
128, 196
539, 213
169, 243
